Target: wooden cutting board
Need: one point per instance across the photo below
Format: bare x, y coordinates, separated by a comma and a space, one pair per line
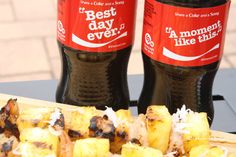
217, 138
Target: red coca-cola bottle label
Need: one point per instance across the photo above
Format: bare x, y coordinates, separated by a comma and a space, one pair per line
96, 26
183, 36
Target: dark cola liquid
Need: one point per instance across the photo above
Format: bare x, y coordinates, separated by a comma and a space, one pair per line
174, 86
94, 79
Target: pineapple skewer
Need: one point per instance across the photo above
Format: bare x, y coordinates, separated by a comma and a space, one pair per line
122, 132
57, 126
78, 125
198, 130
37, 142
158, 123
189, 130
47, 144
34, 117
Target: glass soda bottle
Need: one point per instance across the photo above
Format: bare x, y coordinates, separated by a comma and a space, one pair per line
182, 45
95, 39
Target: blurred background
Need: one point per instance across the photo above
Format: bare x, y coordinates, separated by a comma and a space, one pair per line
28, 48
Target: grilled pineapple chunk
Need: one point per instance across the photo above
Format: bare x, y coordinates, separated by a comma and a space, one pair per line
27, 149
124, 115
40, 139
78, 127
208, 151
34, 117
91, 147
134, 150
124, 118
197, 130
159, 123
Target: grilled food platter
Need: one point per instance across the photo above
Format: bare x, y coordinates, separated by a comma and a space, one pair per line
36, 128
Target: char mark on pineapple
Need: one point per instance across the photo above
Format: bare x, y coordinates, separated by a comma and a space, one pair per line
42, 145
8, 117
177, 152
122, 134
1, 130
6, 147
7, 144
60, 123
11, 129
136, 141
74, 134
102, 127
151, 115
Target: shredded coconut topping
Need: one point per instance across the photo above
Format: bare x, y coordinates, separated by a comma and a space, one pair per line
111, 115
178, 129
55, 116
